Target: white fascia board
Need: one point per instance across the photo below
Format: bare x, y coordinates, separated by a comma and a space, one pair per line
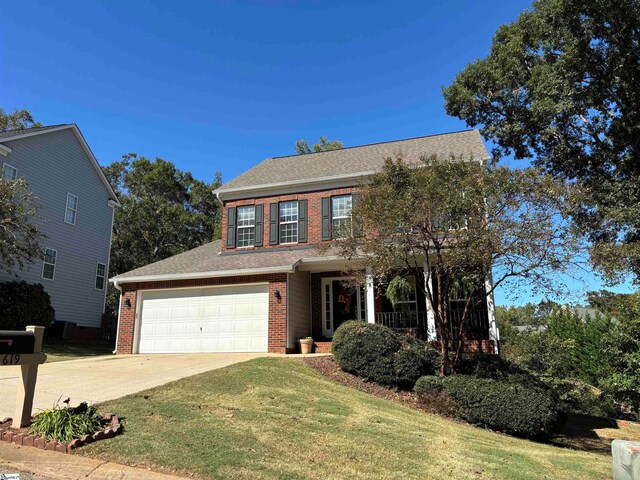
84, 145
197, 275
4, 150
334, 181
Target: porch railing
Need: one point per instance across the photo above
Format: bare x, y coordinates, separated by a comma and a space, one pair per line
415, 323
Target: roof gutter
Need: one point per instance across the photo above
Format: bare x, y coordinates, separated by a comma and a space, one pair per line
117, 281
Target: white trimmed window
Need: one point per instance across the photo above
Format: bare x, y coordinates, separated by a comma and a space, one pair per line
340, 215
289, 222
49, 263
246, 226
101, 271
410, 304
9, 173
71, 209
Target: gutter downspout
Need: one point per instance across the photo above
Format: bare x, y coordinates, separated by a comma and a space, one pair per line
115, 284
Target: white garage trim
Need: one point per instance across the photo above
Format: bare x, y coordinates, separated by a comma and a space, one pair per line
141, 294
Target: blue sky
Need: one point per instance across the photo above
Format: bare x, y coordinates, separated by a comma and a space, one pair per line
219, 86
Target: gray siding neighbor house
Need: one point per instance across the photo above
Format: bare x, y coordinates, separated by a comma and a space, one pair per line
76, 207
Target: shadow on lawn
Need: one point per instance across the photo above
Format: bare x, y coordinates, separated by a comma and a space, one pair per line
594, 434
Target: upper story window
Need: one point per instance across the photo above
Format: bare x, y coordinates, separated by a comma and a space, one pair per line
340, 215
49, 263
9, 173
288, 221
101, 270
246, 226
71, 209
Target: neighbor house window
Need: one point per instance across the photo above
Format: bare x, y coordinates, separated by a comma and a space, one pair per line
246, 226
289, 222
9, 173
101, 270
340, 215
49, 263
71, 210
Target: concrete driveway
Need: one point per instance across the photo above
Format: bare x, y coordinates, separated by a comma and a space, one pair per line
98, 379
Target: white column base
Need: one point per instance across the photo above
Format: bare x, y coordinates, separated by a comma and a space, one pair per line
371, 304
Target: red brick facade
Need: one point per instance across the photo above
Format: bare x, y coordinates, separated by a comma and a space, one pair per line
277, 342
314, 214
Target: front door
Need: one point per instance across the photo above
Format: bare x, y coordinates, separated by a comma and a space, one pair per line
341, 301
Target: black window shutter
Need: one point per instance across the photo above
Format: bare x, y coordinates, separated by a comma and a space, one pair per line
356, 225
326, 218
259, 225
231, 227
302, 221
273, 224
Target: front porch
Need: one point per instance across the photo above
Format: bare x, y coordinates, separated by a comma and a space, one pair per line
334, 300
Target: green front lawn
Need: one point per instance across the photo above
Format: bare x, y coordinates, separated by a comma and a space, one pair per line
277, 418
61, 350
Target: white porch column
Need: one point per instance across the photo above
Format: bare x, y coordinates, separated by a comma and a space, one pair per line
431, 318
494, 333
371, 304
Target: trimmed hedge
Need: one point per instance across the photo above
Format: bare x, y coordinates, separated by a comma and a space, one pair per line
378, 354
23, 304
500, 404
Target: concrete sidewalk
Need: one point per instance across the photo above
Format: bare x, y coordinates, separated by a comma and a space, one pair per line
48, 465
98, 379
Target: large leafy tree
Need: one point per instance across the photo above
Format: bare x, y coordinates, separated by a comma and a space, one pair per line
19, 236
323, 145
165, 211
560, 85
18, 120
455, 224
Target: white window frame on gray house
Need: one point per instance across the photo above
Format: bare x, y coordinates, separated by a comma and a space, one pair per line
71, 212
49, 259
100, 277
246, 219
9, 168
288, 222
340, 214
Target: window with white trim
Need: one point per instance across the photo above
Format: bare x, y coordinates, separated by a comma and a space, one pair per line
340, 215
9, 173
409, 304
71, 210
246, 226
49, 263
289, 222
101, 271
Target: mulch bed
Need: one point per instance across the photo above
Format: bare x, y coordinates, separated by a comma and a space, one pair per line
111, 427
328, 367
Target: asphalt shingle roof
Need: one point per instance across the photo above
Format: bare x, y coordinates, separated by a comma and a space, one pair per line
207, 258
359, 160
13, 133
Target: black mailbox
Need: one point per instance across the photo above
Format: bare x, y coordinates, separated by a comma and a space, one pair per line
17, 342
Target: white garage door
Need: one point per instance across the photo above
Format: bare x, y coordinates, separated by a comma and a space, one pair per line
220, 319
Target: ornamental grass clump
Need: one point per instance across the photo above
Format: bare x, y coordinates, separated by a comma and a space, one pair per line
63, 424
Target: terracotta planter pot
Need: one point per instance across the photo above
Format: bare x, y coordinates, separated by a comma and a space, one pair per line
306, 345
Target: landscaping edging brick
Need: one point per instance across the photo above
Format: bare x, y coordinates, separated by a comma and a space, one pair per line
19, 437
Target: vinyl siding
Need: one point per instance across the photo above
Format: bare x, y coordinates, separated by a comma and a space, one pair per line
55, 164
298, 304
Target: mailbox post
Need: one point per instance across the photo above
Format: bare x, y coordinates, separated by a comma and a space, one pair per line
24, 349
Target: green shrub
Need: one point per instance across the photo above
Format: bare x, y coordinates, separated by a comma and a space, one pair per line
499, 404
579, 397
414, 359
23, 304
366, 350
64, 424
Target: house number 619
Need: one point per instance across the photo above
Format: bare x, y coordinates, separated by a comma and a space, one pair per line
10, 359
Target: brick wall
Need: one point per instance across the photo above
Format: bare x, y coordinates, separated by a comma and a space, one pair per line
314, 213
277, 342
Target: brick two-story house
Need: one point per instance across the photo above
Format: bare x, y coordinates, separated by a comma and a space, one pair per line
266, 284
